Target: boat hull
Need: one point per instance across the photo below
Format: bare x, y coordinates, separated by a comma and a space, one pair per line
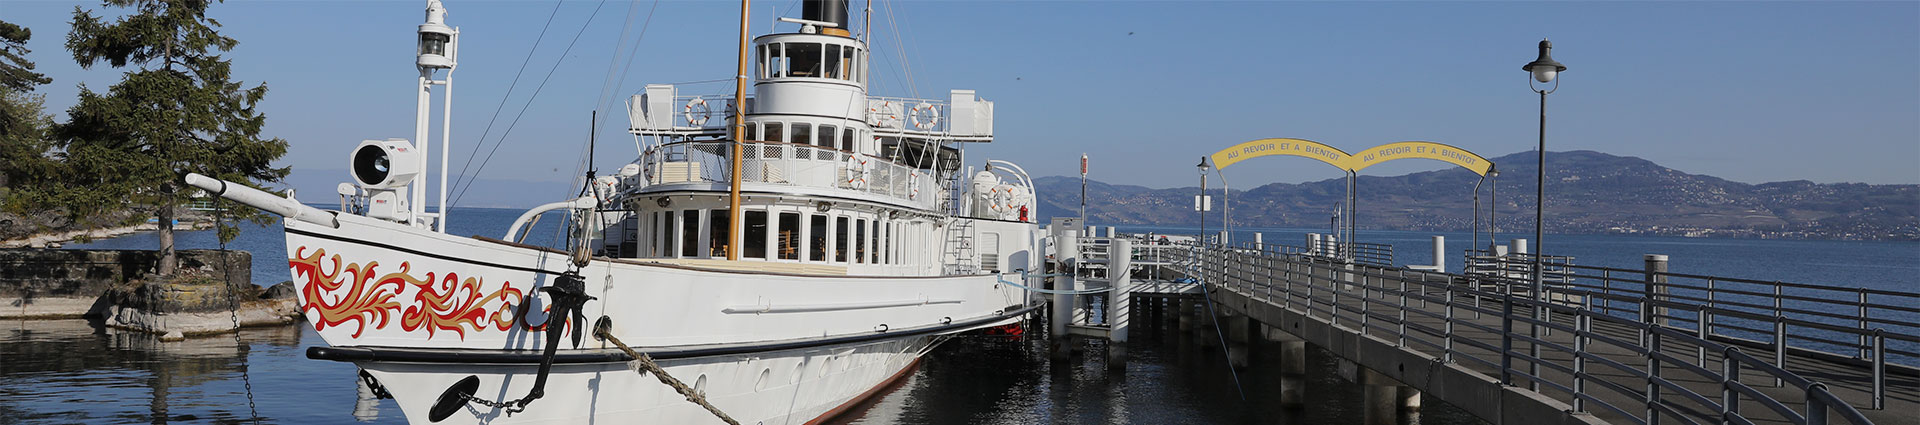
765, 347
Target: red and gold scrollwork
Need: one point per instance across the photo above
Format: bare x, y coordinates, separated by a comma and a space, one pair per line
440, 302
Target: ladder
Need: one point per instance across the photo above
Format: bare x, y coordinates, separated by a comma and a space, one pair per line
959, 257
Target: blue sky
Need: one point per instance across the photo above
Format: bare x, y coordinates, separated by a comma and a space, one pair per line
1749, 91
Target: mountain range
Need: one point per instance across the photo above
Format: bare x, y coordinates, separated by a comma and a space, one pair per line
1587, 192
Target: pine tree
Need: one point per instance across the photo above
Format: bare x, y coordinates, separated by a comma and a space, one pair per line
177, 110
23, 122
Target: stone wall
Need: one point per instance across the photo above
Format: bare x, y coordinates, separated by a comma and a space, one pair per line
67, 282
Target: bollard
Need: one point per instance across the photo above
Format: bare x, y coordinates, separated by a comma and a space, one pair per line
1440, 253
1119, 302
1062, 312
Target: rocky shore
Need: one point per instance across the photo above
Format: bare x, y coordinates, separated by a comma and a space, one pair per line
212, 293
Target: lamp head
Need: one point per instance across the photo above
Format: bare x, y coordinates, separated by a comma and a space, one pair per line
437, 47
1544, 68
1203, 166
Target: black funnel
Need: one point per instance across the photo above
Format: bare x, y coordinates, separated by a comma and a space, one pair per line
834, 11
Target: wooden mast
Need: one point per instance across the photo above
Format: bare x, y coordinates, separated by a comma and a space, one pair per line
734, 224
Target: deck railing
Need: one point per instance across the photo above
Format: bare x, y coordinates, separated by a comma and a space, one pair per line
788, 163
1673, 322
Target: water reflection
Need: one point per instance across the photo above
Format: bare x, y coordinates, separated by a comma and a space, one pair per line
73, 371
1174, 377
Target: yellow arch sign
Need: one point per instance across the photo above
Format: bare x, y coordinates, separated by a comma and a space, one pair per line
1349, 162
1296, 147
1427, 150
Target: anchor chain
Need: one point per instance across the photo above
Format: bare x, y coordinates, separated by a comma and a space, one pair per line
233, 303
644, 364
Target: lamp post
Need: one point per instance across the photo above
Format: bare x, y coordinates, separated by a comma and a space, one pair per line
1544, 69
1200, 203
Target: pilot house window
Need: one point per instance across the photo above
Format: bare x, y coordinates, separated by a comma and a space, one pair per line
803, 60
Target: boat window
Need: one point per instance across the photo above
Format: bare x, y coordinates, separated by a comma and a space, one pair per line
776, 132
690, 233
860, 241
826, 136
840, 239
803, 59
719, 232
847, 141
802, 133
662, 233
755, 235
833, 62
817, 250
753, 132
847, 64
789, 231
777, 60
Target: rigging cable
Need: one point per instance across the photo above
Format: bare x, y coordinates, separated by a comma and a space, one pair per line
536, 93
509, 94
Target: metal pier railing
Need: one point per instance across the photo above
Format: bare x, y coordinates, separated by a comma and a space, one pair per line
1630, 345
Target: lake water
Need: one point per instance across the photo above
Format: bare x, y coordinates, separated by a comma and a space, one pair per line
65, 371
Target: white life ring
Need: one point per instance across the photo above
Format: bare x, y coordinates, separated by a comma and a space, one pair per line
913, 186
699, 105
932, 118
856, 173
883, 114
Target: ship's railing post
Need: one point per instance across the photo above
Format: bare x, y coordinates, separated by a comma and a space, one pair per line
1779, 345
1268, 257
1403, 307
1506, 332
1366, 301
1286, 297
1863, 322
1700, 330
1729, 374
1582, 325
1653, 375
1879, 368
1446, 354
1816, 408
1333, 282
1706, 324
1606, 288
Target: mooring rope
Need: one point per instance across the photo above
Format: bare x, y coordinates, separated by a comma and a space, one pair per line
644, 364
1023, 275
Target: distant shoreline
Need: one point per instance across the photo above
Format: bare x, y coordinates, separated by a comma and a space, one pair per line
53, 239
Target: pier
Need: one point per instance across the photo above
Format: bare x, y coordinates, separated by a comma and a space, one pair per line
1591, 345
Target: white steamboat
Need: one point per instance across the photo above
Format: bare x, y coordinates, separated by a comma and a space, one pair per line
784, 274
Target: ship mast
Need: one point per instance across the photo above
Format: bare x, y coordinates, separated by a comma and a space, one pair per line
734, 223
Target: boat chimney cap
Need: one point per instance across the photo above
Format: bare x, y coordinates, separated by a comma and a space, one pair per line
834, 11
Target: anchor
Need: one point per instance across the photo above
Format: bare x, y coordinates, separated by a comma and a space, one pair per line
569, 294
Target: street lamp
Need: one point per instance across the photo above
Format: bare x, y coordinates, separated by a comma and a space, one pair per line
1544, 69
1200, 203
